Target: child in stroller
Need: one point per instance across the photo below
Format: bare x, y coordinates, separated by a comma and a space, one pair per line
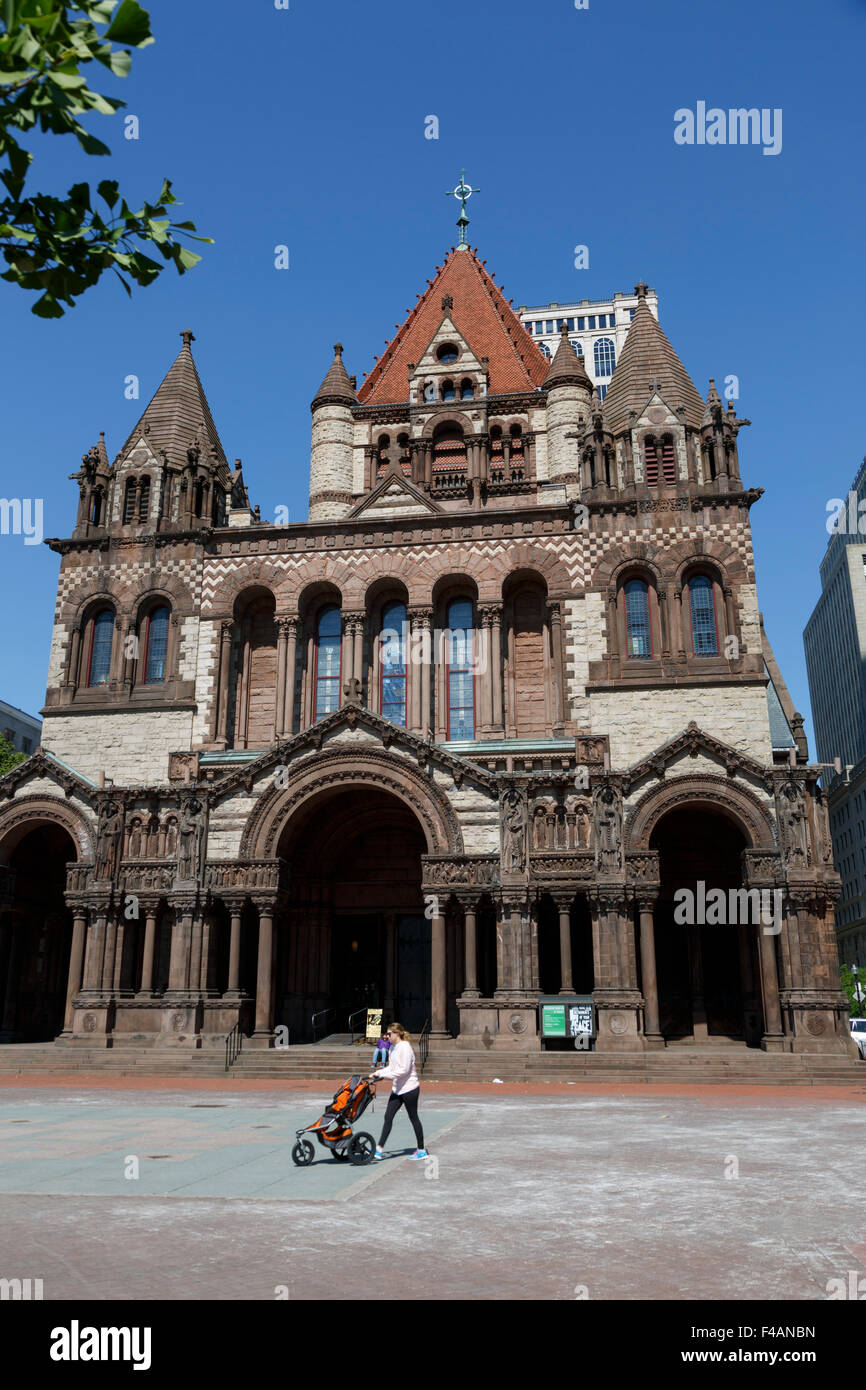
333, 1129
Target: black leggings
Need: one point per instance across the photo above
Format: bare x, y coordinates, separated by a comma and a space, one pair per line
410, 1100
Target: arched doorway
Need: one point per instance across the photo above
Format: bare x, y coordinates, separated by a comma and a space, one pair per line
707, 971
35, 934
356, 934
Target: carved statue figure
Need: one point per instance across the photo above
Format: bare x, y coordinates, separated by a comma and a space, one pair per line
608, 830
109, 839
190, 840
513, 831
794, 827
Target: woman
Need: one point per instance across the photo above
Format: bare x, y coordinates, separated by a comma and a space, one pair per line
404, 1091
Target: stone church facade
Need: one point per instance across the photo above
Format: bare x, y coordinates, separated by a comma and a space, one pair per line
454, 744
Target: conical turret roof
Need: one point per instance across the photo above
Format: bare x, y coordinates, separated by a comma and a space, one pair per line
567, 365
179, 413
336, 389
647, 363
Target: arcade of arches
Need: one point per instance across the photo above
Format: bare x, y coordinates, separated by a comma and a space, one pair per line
355, 911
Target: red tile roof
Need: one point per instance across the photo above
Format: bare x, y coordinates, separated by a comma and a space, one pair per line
484, 318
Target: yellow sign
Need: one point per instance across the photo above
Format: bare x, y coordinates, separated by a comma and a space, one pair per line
374, 1025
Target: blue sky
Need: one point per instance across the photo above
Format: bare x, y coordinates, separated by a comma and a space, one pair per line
306, 127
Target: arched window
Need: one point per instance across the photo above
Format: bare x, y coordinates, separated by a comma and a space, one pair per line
705, 640
637, 620
461, 679
578, 347
143, 499
449, 456
327, 679
669, 459
392, 664
99, 655
156, 645
129, 502
96, 507
467, 390
545, 349
448, 393
430, 391
603, 356
199, 497
651, 461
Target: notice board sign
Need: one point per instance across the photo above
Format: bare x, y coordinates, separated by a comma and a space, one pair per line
581, 1022
552, 1020
374, 1025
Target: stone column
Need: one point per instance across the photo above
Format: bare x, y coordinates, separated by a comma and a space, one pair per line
495, 658
347, 652
76, 957
72, 673
149, 945
235, 906
486, 681
265, 973
280, 710
563, 902
441, 678
773, 1040
413, 674
424, 617
181, 941
730, 614
664, 624
358, 650
196, 953
291, 630
470, 988
438, 1002
612, 626
652, 1031
676, 617
95, 949
110, 949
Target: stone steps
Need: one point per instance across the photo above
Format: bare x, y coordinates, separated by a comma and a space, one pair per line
321, 1062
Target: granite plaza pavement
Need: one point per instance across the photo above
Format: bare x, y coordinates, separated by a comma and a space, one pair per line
533, 1192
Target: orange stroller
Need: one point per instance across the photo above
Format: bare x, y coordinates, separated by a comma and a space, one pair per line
333, 1129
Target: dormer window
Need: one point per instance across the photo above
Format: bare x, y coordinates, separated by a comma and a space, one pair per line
467, 390
447, 353
448, 392
430, 391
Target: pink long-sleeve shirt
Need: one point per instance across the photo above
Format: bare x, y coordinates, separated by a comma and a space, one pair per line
401, 1068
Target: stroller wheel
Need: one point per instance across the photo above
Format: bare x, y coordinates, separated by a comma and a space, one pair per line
340, 1154
362, 1147
302, 1153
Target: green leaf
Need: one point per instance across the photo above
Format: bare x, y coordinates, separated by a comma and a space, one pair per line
130, 25
90, 144
186, 259
120, 62
47, 307
108, 191
69, 81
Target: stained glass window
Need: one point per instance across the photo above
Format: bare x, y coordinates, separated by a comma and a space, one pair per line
328, 641
392, 663
637, 619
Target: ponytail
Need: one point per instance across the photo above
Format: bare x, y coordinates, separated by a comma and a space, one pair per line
398, 1028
